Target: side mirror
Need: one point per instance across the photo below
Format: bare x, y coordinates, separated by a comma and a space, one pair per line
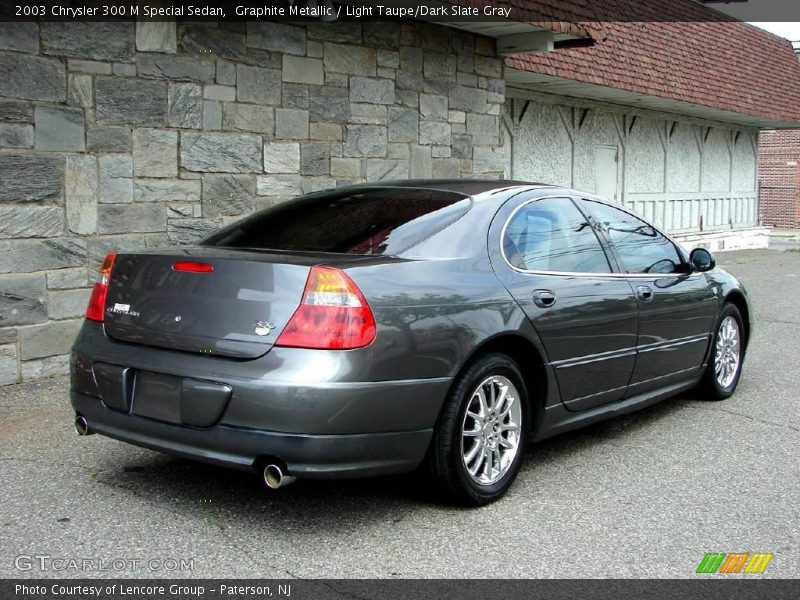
702, 260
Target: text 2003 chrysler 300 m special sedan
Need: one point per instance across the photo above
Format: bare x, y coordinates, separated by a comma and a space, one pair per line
378, 328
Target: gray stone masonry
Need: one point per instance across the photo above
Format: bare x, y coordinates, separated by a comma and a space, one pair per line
124, 136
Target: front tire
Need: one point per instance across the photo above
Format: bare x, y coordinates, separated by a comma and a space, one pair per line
727, 355
482, 432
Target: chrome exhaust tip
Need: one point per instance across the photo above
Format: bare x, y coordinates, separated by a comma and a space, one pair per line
275, 478
82, 426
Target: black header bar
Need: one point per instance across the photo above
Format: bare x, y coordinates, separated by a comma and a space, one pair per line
382, 10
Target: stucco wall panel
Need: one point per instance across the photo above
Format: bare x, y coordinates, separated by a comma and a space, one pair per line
542, 145
644, 156
683, 159
716, 170
743, 171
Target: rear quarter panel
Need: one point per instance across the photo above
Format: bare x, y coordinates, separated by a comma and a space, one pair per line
432, 315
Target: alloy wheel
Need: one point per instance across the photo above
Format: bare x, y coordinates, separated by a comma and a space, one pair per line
490, 431
728, 352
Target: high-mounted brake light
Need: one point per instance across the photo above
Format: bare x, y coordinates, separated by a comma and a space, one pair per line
193, 267
97, 301
333, 315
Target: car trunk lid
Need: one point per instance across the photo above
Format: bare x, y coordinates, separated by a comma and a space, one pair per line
236, 305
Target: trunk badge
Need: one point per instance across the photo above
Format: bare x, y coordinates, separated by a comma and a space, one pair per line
264, 327
123, 309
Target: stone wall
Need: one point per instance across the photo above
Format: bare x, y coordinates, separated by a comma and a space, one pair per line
118, 136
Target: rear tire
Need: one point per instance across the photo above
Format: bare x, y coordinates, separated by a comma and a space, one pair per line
480, 438
727, 355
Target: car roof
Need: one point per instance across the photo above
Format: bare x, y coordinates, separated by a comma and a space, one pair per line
468, 187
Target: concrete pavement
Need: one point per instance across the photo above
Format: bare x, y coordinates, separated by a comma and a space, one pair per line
645, 495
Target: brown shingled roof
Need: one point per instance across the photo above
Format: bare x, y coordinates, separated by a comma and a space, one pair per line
678, 50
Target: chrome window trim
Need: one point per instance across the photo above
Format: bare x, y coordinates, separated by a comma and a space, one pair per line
611, 274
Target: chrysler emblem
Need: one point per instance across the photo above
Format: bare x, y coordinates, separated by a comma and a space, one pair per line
264, 327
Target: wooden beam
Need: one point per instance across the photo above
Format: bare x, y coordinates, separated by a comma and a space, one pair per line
524, 110
567, 116
584, 114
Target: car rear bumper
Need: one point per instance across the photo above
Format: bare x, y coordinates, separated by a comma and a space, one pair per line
316, 412
308, 456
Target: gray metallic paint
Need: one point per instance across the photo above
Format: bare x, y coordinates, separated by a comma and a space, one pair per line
372, 410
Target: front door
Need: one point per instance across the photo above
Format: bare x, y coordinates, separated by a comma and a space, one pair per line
606, 171
555, 267
677, 307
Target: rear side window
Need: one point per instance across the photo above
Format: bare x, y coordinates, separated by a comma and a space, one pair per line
363, 221
553, 235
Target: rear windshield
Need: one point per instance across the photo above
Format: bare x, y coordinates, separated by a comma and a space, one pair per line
360, 221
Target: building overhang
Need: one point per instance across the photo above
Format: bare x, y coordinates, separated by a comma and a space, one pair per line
550, 84
511, 37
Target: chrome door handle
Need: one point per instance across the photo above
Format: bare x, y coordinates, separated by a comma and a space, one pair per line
644, 293
544, 298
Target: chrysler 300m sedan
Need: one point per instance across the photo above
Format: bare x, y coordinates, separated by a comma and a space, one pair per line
380, 328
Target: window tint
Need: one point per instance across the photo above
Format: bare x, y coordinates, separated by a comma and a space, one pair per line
552, 235
640, 247
366, 221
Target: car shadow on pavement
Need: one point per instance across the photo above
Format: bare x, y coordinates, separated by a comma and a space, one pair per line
579, 440
209, 490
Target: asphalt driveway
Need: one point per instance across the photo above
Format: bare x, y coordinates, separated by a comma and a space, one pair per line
645, 495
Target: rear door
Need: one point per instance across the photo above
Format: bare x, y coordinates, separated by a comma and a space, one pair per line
677, 307
554, 265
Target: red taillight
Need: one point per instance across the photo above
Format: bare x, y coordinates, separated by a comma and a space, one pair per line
193, 267
97, 301
333, 315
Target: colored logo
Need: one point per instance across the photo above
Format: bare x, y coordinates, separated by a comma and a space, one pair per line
737, 562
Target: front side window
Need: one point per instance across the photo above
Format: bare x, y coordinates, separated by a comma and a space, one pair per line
552, 235
641, 248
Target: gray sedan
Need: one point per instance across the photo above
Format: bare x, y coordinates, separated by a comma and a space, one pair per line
381, 328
